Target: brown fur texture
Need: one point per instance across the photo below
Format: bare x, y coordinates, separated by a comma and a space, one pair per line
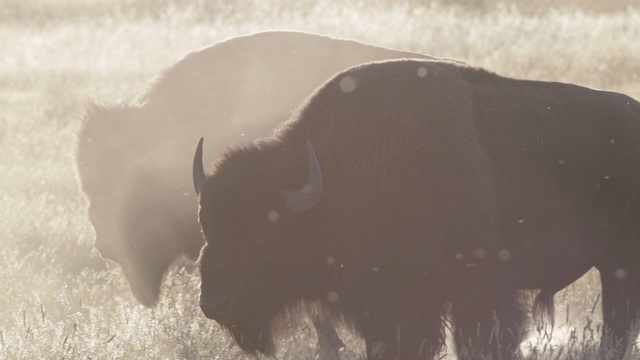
444, 186
132, 159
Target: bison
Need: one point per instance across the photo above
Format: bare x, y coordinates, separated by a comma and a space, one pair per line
404, 193
132, 160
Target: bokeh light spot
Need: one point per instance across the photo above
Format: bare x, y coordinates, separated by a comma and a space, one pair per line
273, 215
504, 255
333, 297
480, 253
620, 274
347, 84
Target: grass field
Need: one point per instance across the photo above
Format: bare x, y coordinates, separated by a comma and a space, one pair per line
59, 299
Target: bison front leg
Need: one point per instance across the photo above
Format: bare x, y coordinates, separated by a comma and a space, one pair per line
417, 333
329, 342
487, 323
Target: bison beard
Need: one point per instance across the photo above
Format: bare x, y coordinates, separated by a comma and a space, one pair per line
252, 338
255, 330
438, 185
269, 307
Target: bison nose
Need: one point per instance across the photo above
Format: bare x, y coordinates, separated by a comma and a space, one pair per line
220, 308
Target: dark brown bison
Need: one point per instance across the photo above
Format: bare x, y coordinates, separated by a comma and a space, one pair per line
132, 159
403, 189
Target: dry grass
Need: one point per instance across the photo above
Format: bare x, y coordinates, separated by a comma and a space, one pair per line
60, 300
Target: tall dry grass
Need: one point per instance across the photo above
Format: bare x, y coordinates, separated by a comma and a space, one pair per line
60, 300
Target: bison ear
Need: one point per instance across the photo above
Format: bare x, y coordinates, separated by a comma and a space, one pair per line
198, 169
307, 197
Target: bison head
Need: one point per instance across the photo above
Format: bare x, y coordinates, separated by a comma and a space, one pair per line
138, 216
254, 263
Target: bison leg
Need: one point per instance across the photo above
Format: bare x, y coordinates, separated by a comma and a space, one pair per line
413, 333
329, 342
488, 324
620, 305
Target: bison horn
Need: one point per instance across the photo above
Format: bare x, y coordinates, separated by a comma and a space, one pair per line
306, 198
198, 170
